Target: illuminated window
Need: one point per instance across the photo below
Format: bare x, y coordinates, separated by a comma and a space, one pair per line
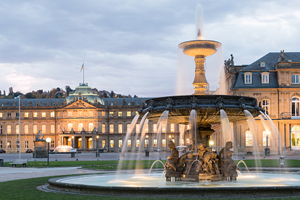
120, 128
137, 128
52, 127
35, 114
111, 143
120, 143
80, 114
265, 134
80, 127
1, 115
120, 114
103, 128
146, 128
136, 112
128, 113
248, 138
128, 143
164, 143
163, 129
26, 114
8, 127
103, 113
103, 143
91, 127
8, 115
43, 114
26, 129
52, 114
111, 128
128, 127
266, 105
146, 143
172, 128
35, 129
44, 129
137, 144
111, 113
9, 144
70, 126
295, 78
17, 129
155, 142
154, 128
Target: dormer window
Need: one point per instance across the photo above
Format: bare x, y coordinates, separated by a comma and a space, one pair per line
265, 77
262, 64
248, 78
295, 78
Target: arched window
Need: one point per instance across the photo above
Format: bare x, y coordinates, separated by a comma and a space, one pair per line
295, 139
80, 127
265, 103
295, 107
70, 126
91, 127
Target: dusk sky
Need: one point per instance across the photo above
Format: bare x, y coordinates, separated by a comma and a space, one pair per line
131, 47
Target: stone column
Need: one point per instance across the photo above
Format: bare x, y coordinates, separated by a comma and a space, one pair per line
200, 82
83, 143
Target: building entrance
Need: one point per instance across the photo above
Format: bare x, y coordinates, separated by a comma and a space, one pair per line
295, 139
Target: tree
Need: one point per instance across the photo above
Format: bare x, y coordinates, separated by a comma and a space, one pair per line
68, 90
28, 95
112, 94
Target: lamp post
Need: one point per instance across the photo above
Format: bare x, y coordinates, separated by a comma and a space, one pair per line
19, 97
267, 149
211, 143
48, 140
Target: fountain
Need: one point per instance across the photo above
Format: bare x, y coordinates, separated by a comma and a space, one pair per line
200, 171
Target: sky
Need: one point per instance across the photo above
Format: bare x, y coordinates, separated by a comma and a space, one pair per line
131, 47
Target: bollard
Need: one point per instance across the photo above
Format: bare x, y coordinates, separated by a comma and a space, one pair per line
147, 153
72, 154
282, 161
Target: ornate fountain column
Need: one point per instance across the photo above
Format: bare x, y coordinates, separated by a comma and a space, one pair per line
200, 82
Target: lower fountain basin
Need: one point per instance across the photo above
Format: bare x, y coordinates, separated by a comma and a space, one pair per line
154, 185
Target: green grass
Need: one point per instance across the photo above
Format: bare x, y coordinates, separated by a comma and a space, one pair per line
269, 163
26, 189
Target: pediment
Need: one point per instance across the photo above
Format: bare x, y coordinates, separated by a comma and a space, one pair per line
80, 104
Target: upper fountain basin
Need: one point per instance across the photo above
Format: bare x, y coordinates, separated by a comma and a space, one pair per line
207, 108
199, 47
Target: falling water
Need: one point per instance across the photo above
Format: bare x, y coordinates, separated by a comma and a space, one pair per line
193, 127
162, 123
199, 22
267, 128
143, 133
274, 131
226, 128
136, 135
253, 129
241, 161
128, 134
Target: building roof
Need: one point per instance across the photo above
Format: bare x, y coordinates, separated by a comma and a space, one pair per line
270, 60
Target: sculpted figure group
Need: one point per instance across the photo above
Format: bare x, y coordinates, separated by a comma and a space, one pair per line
201, 164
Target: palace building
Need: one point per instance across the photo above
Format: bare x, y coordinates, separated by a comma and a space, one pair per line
274, 81
81, 120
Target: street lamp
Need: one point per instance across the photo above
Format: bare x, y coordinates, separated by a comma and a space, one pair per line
19, 97
267, 149
48, 140
211, 143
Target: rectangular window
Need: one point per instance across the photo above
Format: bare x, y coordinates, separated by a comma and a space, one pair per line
103, 143
248, 78
1, 115
9, 144
265, 78
103, 128
128, 113
80, 114
35, 130
26, 129
128, 127
17, 129
43, 114
164, 143
295, 78
8, 127
52, 129
17, 114
146, 143
35, 114
26, 114
137, 144
146, 128
70, 126
154, 128
155, 142
1, 144
26, 144
69, 114
103, 113
163, 129
111, 128
44, 129
111, 143
91, 127
120, 143
128, 143
172, 128
248, 138
52, 144
91, 113
111, 113
120, 128
8, 115
120, 114
265, 134
52, 114
137, 128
